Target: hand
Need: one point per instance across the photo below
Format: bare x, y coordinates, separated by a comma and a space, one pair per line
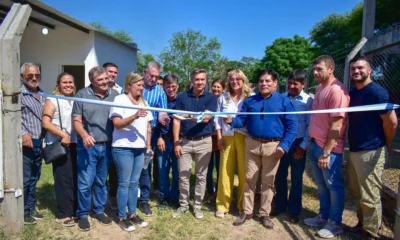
140, 113
228, 120
27, 140
148, 150
221, 145
164, 119
88, 141
161, 145
178, 151
194, 119
299, 153
323, 163
278, 152
66, 140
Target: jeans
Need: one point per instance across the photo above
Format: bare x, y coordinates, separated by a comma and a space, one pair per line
129, 164
32, 168
330, 184
167, 160
93, 165
210, 180
145, 176
297, 166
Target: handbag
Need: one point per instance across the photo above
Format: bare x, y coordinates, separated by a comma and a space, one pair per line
53, 152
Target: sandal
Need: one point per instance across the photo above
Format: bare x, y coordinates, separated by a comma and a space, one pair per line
219, 214
66, 223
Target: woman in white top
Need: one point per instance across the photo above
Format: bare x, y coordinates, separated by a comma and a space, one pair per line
131, 141
231, 143
64, 169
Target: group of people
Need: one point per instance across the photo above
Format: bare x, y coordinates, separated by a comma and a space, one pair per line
258, 136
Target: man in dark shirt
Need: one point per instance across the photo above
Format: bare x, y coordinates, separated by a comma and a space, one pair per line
270, 136
368, 134
193, 139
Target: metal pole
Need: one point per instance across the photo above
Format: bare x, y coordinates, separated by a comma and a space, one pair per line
351, 55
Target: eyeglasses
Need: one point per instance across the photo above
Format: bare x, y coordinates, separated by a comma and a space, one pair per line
262, 115
30, 76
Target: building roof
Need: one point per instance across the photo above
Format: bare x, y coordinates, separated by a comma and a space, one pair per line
50, 17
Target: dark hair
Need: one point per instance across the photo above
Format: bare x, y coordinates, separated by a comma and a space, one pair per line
328, 60
170, 78
197, 71
109, 64
220, 81
297, 75
270, 72
355, 59
160, 77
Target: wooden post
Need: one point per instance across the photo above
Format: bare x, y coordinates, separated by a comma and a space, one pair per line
11, 30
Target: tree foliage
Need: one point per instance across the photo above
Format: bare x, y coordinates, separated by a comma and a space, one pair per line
119, 34
142, 60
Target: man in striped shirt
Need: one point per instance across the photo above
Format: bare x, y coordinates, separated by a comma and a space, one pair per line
31, 138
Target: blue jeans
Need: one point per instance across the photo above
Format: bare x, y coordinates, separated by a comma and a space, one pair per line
93, 165
210, 180
167, 160
129, 164
330, 184
32, 168
297, 166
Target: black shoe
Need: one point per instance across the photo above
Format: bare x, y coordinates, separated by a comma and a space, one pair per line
275, 212
103, 219
173, 202
145, 208
294, 218
83, 224
134, 218
163, 204
29, 220
125, 224
36, 215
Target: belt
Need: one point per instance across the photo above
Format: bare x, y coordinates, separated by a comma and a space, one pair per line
102, 143
196, 138
261, 140
167, 137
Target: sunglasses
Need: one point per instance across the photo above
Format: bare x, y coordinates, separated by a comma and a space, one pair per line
30, 76
262, 115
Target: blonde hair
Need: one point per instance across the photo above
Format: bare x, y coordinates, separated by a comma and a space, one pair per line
56, 90
246, 90
134, 77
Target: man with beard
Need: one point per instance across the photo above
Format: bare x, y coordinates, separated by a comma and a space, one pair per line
112, 73
32, 107
369, 132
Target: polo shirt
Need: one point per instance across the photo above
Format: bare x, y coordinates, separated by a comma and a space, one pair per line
186, 101
366, 128
155, 97
95, 117
274, 126
167, 130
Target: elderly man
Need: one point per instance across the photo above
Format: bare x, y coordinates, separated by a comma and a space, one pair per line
94, 147
270, 137
32, 107
369, 133
193, 140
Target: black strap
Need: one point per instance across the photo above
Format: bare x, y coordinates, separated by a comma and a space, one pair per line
59, 114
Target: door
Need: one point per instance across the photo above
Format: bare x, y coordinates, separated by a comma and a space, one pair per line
79, 74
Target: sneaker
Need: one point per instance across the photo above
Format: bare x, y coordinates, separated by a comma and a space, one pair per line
125, 224
112, 202
134, 218
330, 230
36, 215
145, 209
29, 220
103, 219
198, 213
180, 211
163, 205
267, 222
83, 224
317, 221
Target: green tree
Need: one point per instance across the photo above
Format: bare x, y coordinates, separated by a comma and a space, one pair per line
142, 61
189, 49
119, 34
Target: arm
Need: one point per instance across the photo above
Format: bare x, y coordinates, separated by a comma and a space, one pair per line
47, 116
333, 135
120, 122
210, 107
306, 138
163, 118
290, 125
389, 127
88, 140
148, 140
176, 129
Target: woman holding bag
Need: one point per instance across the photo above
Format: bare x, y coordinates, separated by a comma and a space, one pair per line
56, 120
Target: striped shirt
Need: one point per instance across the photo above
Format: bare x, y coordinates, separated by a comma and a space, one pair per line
31, 113
155, 97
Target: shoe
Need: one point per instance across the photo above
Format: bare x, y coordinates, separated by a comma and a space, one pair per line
180, 211
275, 212
317, 221
173, 202
294, 218
163, 204
112, 202
357, 230
266, 222
242, 219
134, 218
198, 213
125, 224
83, 224
66, 223
29, 220
103, 219
330, 230
145, 209
36, 215
219, 214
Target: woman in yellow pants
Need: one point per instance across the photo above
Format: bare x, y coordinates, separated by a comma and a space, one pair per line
231, 143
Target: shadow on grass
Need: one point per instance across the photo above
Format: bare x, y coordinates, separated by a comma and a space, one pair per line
46, 198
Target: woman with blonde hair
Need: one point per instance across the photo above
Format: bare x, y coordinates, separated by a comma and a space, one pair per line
131, 141
57, 113
231, 143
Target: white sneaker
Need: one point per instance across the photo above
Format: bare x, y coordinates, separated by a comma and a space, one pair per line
317, 221
330, 230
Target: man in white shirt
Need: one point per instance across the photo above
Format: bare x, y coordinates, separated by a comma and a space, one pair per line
112, 73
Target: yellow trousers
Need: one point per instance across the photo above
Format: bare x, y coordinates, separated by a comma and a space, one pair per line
234, 154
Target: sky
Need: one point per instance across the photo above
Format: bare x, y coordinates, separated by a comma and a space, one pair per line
244, 28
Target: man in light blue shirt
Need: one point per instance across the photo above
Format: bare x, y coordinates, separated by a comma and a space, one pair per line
296, 156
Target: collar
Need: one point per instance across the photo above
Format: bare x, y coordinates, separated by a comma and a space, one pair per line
190, 92
151, 88
302, 95
24, 89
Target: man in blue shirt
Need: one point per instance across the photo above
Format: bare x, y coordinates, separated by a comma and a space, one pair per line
368, 134
296, 156
270, 137
193, 139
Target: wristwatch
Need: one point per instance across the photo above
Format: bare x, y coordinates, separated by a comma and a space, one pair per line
325, 154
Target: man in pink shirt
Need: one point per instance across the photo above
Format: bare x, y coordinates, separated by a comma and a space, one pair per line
327, 132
